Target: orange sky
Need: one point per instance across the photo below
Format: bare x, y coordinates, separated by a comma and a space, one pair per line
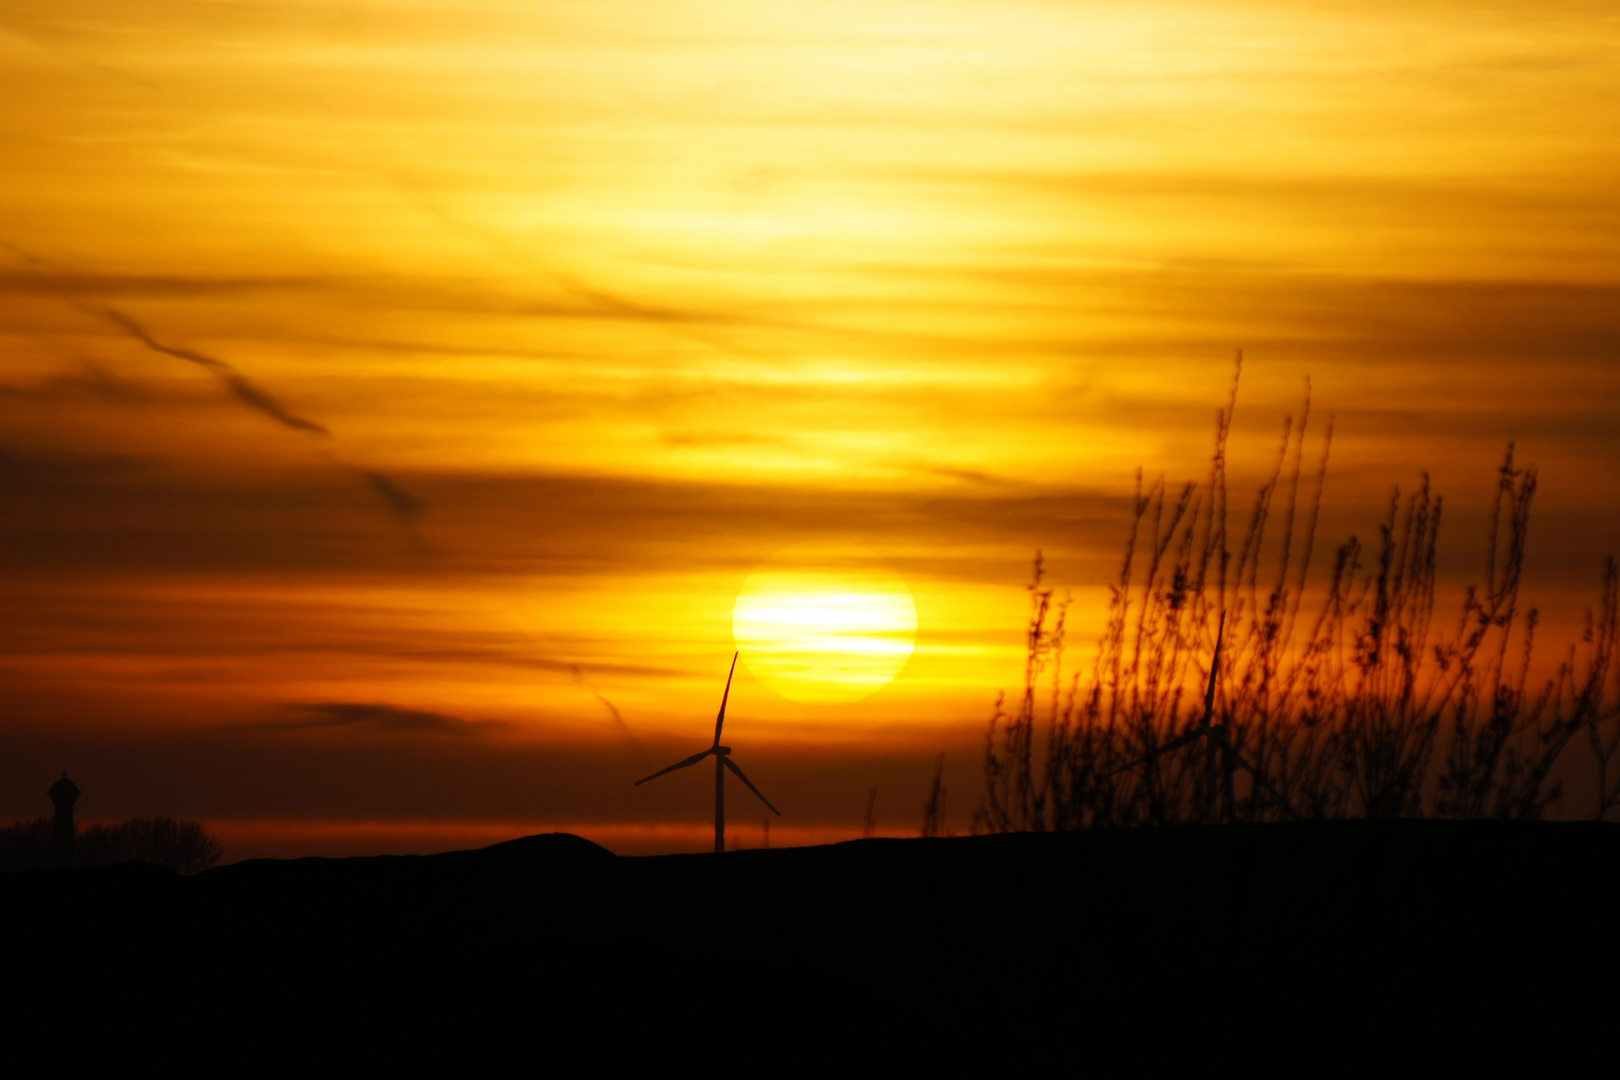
367, 367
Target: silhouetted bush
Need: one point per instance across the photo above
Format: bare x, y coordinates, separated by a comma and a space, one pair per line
26, 845
1340, 711
182, 846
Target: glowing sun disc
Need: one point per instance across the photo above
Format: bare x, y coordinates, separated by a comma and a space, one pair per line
814, 625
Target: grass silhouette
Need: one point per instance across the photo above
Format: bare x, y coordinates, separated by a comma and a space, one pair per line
1355, 704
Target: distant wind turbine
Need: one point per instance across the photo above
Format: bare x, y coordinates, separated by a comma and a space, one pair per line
1218, 748
722, 762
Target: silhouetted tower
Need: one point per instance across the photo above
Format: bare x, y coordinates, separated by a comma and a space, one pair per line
64, 793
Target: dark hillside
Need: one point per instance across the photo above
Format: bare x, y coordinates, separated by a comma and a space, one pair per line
1340, 932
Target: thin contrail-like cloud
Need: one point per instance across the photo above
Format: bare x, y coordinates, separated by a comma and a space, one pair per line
691, 324
245, 391
579, 677
400, 503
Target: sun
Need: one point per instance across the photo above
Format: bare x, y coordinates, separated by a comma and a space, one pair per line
819, 625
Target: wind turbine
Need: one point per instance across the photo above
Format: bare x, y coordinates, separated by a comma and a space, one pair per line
1217, 747
722, 762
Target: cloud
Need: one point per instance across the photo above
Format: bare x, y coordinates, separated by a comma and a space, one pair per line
403, 503
375, 718
590, 302
57, 281
21, 468
53, 279
245, 391
969, 476
97, 512
91, 383
599, 303
256, 771
1316, 320
720, 439
96, 286
618, 718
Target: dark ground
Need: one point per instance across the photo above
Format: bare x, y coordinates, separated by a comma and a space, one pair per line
1358, 943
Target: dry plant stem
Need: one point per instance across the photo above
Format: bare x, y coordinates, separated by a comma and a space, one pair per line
934, 809
1342, 712
1600, 712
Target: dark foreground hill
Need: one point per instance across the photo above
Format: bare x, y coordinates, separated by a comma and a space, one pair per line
1351, 935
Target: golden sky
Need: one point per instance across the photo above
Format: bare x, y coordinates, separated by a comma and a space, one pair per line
384, 384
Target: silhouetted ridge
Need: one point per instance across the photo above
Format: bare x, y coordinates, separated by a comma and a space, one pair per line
553, 849
1332, 933
547, 856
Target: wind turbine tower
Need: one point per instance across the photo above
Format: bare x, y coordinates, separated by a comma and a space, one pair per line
1218, 750
722, 762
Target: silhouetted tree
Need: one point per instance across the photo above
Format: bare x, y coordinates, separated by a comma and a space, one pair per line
27, 845
182, 846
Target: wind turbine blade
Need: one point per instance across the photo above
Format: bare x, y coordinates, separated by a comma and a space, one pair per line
693, 760
1214, 673
720, 721
732, 765
1174, 744
1254, 772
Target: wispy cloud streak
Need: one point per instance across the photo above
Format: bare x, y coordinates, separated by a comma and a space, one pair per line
251, 395
405, 505
618, 718
381, 719
400, 503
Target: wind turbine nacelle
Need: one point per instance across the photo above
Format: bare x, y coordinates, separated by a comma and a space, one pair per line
722, 749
